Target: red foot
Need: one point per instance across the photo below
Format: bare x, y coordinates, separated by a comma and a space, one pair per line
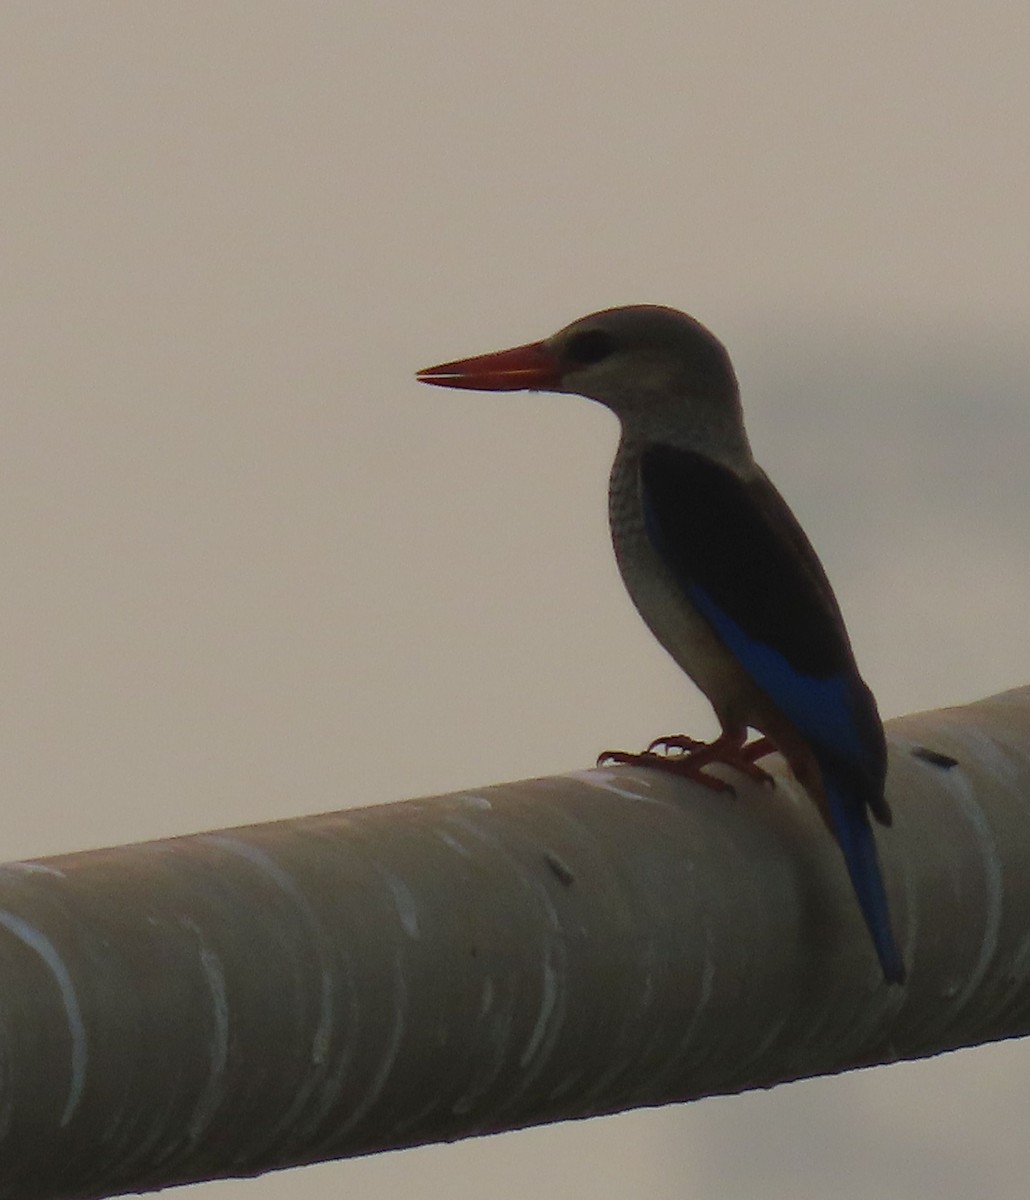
672, 764
690, 756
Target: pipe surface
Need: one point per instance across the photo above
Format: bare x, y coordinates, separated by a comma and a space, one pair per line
233, 1002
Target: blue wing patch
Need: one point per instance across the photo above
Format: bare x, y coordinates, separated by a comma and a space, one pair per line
820, 709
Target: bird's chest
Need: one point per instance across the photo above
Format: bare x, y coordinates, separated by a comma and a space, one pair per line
658, 596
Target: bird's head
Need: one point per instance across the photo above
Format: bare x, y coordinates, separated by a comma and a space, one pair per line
661, 372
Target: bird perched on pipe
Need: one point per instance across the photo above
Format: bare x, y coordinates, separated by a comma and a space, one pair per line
720, 570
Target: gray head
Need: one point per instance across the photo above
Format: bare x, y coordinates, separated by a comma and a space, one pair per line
659, 370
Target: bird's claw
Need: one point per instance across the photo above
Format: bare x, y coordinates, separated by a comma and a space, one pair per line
678, 754
671, 764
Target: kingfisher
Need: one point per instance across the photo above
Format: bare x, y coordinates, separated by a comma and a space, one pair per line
720, 570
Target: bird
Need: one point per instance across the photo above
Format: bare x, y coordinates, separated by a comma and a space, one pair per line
720, 570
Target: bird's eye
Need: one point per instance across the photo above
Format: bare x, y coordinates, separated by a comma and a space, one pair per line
589, 347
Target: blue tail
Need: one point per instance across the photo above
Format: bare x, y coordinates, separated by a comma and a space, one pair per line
850, 819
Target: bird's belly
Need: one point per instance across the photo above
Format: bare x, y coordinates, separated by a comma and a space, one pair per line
679, 627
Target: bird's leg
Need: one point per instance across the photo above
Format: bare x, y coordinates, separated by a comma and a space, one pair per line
691, 756
757, 749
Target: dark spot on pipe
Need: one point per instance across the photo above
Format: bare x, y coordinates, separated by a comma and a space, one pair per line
562, 872
934, 757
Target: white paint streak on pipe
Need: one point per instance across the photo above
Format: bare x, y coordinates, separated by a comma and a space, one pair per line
46, 950
211, 1093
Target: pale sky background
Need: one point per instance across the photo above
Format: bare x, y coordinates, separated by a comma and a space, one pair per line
252, 569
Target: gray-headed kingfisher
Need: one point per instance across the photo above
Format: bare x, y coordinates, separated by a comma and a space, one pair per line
720, 569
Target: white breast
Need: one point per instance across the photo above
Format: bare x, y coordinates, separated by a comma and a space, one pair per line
660, 600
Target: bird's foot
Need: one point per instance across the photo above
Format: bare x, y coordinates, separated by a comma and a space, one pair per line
744, 756
673, 764
682, 755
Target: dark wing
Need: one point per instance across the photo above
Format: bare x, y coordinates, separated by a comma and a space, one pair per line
738, 552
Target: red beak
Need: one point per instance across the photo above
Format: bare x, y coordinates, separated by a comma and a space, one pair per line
532, 367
